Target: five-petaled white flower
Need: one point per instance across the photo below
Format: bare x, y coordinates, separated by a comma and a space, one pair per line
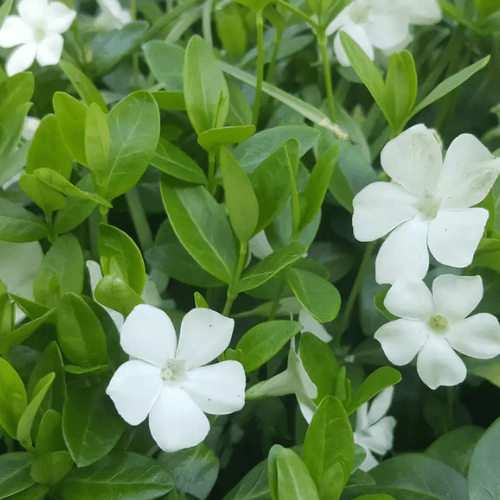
37, 30
428, 204
381, 24
435, 325
166, 379
374, 431
112, 16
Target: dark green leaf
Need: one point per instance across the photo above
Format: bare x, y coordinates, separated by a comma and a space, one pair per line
13, 400
15, 473
18, 225
294, 480
211, 140
51, 468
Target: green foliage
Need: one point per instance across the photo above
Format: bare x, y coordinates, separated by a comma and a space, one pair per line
13, 400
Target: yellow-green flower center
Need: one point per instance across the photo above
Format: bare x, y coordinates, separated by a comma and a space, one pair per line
438, 323
428, 206
359, 13
173, 371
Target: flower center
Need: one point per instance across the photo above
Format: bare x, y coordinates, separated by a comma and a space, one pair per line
40, 34
174, 371
359, 13
428, 206
438, 323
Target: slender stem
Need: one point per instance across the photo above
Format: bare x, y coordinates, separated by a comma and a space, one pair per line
133, 9
170, 16
139, 218
295, 203
94, 234
297, 12
259, 25
206, 21
104, 214
276, 303
232, 289
272, 67
321, 37
211, 172
170, 5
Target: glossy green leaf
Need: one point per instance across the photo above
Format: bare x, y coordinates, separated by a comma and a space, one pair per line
231, 30
15, 473
170, 100
254, 486
200, 301
13, 400
211, 140
49, 437
294, 480
97, 140
46, 197
11, 128
34, 492
50, 469
166, 61
15, 90
112, 292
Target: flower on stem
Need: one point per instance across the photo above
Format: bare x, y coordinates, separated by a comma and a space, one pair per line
38, 31
428, 204
374, 430
166, 379
437, 324
112, 16
381, 24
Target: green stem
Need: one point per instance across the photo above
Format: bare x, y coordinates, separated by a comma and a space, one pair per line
104, 214
276, 303
211, 173
295, 204
206, 22
171, 16
94, 235
139, 218
259, 25
297, 12
321, 37
272, 67
133, 9
232, 292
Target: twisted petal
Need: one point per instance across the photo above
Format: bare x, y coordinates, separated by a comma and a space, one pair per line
49, 50
21, 59
410, 300
59, 17
402, 339
311, 325
369, 462
379, 208
33, 12
15, 32
176, 422
468, 173
380, 406
454, 235
477, 336
134, 389
148, 334
438, 364
339, 21
217, 389
413, 159
388, 29
456, 297
358, 34
378, 437
204, 335
404, 254
307, 406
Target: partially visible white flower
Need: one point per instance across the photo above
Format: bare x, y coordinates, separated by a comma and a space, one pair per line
166, 379
374, 431
311, 325
19, 265
294, 380
381, 24
435, 325
38, 31
259, 246
428, 204
29, 128
112, 15
150, 293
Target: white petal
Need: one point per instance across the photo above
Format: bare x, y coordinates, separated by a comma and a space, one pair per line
33, 12
477, 336
296, 367
49, 50
379, 437
369, 462
358, 34
456, 297
339, 21
29, 128
148, 334
21, 59
454, 235
438, 364
204, 335
362, 417
150, 293
15, 32
134, 389
95, 273
59, 17
311, 325
404, 254
423, 12
217, 389
386, 30
307, 406
380, 405
259, 246
176, 422
413, 159
410, 300
116, 10
402, 339
468, 173
379, 208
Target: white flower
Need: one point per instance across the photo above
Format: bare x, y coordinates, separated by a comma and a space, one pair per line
19, 264
294, 380
113, 15
374, 431
166, 379
259, 246
435, 324
381, 24
37, 30
311, 325
150, 293
29, 128
428, 204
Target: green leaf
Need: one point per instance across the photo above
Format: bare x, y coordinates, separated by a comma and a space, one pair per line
195, 470
272, 470
13, 400
380, 379
4, 10
202, 227
80, 333
25, 423
231, 30
15, 90
48, 150
240, 197
317, 295
294, 480
31, 308
170, 100
119, 476
15, 473
50, 469
254, 486
378, 302
211, 140
97, 140
200, 301
78, 370
34, 492
265, 269
71, 115
329, 440
46, 197
61, 271
85, 88
264, 341
121, 257
134, 128
488, 254
173, 161
112, 292
11, 129
49, 437
91, 425
205, 88
166, 61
